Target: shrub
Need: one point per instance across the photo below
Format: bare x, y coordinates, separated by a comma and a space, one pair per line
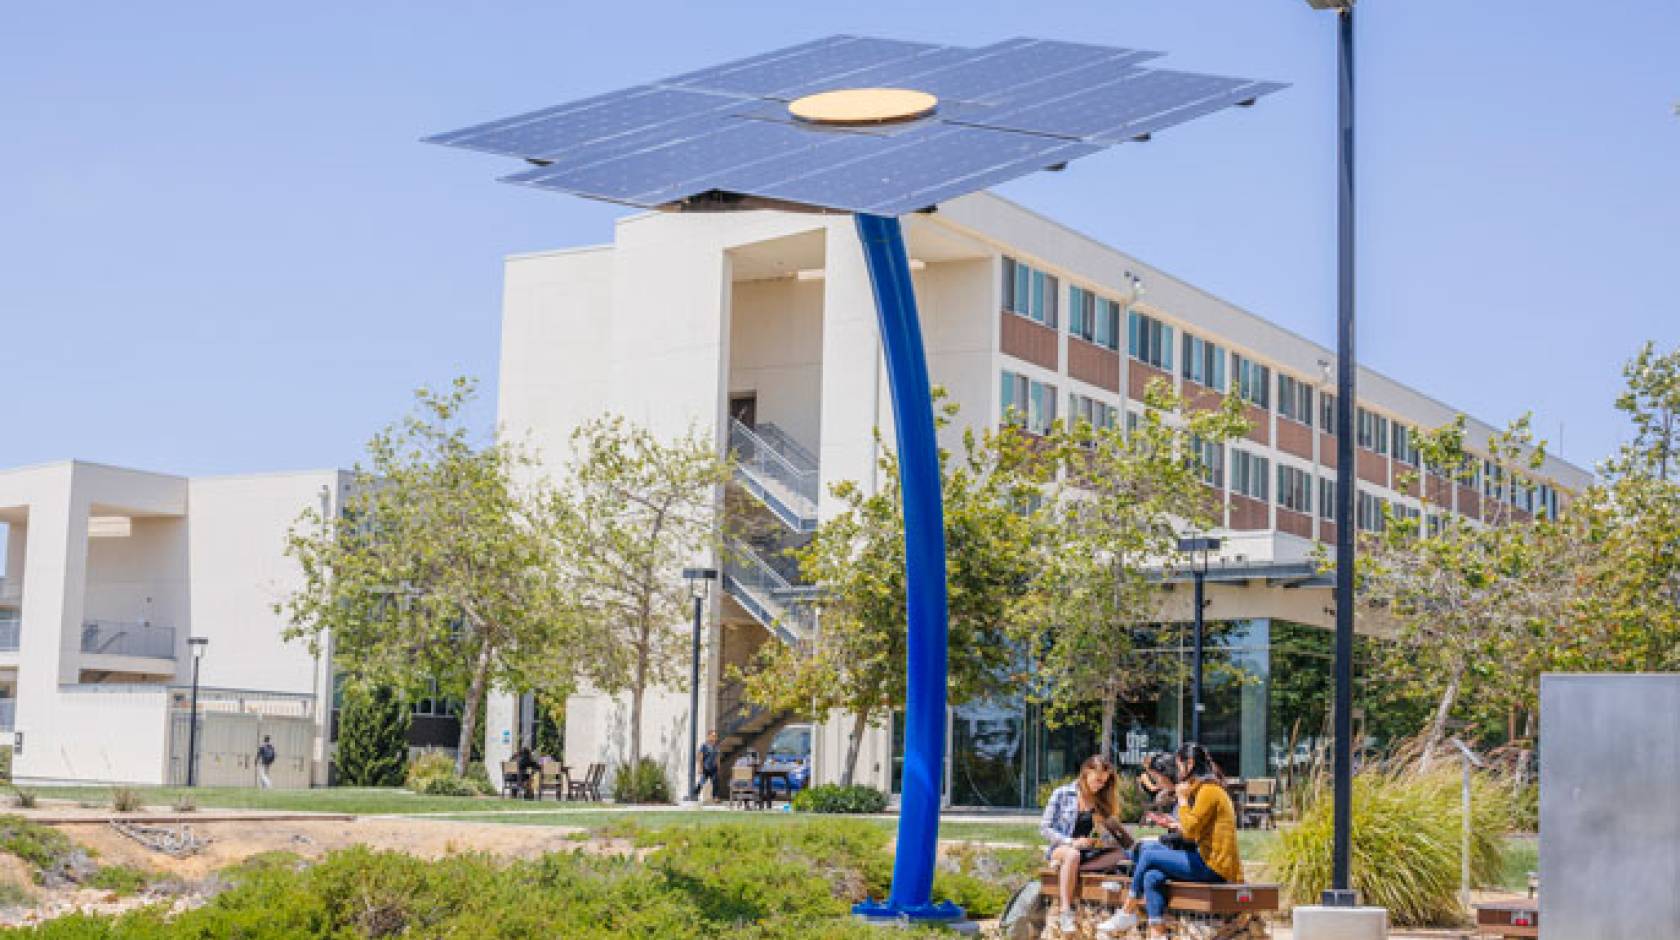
447, 786
125, 800
184, 803
479, 777
427, 765
121, 880
1406, 836
833, 798
433, 774
46, 850
372, 738
644, 781
25, 799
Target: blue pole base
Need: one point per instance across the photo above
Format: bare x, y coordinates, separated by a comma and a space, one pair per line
887, 913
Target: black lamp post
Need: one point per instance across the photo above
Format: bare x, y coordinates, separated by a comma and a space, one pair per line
699, 585
1339, 893
1197, 549
196, 644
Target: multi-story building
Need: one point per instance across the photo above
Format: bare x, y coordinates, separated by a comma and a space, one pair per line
760, 328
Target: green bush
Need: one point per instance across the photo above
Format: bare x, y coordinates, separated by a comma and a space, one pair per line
41, 847
25, 798
833, 798
644, 781
479, 777
121, 880
427, 765
433, 774
1406, 837
372, 738
126, 800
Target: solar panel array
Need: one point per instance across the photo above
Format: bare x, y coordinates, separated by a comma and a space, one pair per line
1005, 110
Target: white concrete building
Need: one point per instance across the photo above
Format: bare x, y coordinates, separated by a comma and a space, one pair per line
760, 326
108, 572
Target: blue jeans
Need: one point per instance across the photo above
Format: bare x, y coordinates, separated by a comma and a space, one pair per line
1155, 865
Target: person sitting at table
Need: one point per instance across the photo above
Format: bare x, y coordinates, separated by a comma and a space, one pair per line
528, 769
1073, 816
1205, 851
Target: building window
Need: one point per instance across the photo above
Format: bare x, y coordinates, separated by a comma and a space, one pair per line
1295, 399
1369, 512
1249, 473
1327, 413
1133, 419
1095, 413
1254, 381
1204, 363
1405, 445
1029, 292
1435, 523
1028, 403
1327, 499
1108, 324
1082, 314
1294, 489
1373, 432
1149, 340
1210, 455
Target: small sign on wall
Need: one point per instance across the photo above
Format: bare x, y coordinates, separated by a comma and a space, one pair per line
507, 736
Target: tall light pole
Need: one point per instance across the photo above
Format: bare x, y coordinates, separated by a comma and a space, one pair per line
699, 586
197, 644
1339, 893
1197, 549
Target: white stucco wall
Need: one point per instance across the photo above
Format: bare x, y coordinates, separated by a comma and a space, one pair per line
104, 734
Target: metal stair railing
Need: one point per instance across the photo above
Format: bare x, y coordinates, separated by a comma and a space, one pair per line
777, 471
761, 589
128, 639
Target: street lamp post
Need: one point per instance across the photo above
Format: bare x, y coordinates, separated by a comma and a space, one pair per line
699, 585
197, 645
1197, 549
1339, 893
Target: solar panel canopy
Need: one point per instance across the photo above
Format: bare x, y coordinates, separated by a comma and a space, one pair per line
725, 136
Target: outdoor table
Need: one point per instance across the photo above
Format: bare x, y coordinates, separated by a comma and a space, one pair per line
766, 775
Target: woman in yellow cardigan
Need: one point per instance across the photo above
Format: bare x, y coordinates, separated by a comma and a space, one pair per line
1207, 819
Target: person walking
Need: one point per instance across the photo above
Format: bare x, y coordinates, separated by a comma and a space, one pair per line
265, 760
707, 761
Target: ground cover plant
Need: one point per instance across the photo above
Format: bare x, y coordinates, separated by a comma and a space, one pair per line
834, 798
744, 880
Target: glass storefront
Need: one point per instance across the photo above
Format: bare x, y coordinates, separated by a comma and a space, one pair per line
1265, 698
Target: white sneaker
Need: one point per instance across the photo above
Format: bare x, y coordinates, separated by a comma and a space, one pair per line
1066, 925
1119, 922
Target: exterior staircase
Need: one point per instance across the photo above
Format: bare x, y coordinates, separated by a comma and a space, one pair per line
773, 467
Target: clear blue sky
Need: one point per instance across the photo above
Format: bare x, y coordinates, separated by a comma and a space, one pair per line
222, 248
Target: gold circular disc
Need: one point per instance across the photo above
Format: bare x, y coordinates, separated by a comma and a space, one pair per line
864, 106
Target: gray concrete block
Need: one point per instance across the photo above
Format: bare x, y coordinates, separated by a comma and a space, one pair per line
1339, 923
1610, 806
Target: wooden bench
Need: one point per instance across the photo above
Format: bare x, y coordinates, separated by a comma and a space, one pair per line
1183, 897
1508, 919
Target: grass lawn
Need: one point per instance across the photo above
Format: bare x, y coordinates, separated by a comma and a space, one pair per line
357, 800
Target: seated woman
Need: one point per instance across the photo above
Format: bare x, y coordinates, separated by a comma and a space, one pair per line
1159, 782
1208, 821
1073, 815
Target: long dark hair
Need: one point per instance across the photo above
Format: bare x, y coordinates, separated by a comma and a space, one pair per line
1201, 763
1163, 764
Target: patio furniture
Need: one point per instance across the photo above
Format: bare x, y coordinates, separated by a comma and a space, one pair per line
766, 777
552, 778
589, 788
512, 782
743, 788
1259, 802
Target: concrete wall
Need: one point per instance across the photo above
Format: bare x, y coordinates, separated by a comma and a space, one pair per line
1610, 806
92, 733
775, 352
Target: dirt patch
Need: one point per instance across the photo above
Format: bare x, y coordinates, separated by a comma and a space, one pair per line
233, 841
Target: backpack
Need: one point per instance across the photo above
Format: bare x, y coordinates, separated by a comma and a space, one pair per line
265, 754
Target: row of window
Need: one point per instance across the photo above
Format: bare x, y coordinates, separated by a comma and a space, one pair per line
1097, 414
1093, 319
1030, 292
1028, 403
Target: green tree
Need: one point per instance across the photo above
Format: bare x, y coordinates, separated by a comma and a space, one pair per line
1124, 498
372, 738
856, 664
632, 512
441, 565
1627, 613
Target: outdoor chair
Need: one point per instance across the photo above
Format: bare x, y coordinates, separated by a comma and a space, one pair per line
588, 788
512, 786
743, 786
551, 779
1260, 802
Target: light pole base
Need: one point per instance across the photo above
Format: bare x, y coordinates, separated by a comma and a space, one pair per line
1339, 923
1339, 897
887, 914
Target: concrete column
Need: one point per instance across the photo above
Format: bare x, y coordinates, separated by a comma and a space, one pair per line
54, 581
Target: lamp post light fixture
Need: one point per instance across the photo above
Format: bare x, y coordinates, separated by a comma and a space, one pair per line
1198, 549
1340, 894
197, 644
699, 587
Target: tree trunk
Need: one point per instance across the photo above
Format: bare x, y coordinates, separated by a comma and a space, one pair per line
469, 714
1438, 725
637, 692
1106, 749
854, 743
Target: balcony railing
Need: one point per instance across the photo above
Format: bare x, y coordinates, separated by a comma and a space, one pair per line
10, 633
8, 714
766, 594
777, 470
128, 639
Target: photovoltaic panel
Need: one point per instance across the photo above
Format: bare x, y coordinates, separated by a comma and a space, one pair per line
725, 131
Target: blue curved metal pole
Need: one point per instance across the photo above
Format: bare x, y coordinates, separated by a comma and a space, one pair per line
924, 577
